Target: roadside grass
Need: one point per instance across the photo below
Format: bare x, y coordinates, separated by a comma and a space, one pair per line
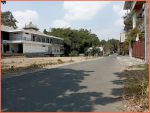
136, 91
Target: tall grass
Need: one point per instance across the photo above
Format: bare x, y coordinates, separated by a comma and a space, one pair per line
136, 87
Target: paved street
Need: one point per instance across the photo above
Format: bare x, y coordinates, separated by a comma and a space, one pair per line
87, 86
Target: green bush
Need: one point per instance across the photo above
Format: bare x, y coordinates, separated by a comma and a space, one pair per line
74, 53
93, 52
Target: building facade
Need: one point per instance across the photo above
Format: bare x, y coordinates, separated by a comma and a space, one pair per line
137, 17
30, 40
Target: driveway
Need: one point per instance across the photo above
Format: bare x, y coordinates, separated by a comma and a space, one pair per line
86, 86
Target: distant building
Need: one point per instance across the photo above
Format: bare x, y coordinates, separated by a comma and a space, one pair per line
123, 37
30, 40
121, 48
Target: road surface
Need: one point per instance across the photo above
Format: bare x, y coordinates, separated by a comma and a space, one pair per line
87, 86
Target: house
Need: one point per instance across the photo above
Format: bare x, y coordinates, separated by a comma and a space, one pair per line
137, 17
30, 40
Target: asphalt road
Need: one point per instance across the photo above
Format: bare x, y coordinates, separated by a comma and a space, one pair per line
87, 86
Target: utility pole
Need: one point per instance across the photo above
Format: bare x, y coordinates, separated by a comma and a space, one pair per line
146, 32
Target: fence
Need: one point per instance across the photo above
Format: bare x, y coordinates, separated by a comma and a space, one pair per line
138, 50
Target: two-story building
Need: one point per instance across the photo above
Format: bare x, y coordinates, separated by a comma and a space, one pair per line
137, 17
30, 40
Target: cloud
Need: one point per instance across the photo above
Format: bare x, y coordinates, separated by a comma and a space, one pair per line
107, 33
60, 24
78, 10
118, 9
24, 17
119, 22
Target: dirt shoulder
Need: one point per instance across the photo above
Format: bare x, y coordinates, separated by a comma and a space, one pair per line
16, 66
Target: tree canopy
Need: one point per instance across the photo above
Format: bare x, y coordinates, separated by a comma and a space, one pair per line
8, 19
110, 45
75, 40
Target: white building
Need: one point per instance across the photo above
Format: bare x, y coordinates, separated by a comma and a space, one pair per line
123, 37
30, 40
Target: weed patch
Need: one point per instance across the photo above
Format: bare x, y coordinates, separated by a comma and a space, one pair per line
60, 61
136, 88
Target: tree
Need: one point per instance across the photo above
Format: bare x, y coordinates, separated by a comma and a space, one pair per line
8, 19
75, 40
127, 23
113, 45
133, 34
45, 32
94, 51
102, 42
109, 46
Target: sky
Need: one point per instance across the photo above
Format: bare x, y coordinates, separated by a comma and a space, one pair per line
104, 18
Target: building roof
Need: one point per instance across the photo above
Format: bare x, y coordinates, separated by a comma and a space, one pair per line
35, 32
6, 28
31, 26
31, 29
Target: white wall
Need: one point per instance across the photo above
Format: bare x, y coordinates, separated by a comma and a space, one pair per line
39, 48
26, 36
34, 48
55, 49
122, 37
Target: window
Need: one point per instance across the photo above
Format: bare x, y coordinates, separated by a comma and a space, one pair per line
43, 40
33, 38
47, 40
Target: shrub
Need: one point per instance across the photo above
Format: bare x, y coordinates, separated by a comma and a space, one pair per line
93, 52
60, 61
74, 53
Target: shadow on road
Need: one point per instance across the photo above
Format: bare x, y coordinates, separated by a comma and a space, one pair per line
119, 82
50, 90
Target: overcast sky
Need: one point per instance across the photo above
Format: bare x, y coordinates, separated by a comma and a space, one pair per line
103, 18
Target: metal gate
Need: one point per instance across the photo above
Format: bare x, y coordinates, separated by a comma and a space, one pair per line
139, 49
